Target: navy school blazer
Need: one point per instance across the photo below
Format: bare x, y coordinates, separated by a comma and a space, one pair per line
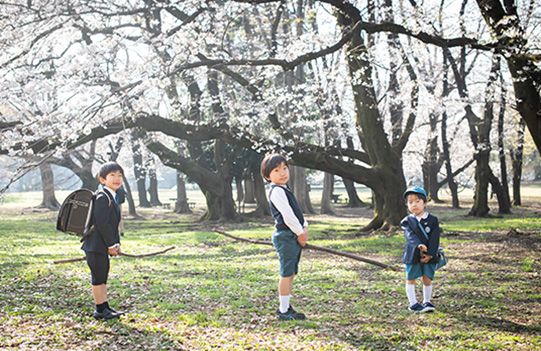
106, 218
415, 237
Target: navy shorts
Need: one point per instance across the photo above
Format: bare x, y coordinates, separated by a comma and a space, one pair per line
417, 270
99, 267
289, 251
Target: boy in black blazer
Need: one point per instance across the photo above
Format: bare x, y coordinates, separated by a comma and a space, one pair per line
104, 240
422, 232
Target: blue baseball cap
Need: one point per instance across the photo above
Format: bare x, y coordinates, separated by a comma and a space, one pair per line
415, 190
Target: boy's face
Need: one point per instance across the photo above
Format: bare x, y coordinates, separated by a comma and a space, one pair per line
280, 174
416, 204
112, 180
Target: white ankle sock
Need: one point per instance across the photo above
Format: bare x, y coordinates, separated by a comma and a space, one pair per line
427, 293
284, 303
410, 291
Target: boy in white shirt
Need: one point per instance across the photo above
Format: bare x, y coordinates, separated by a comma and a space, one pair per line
291, 231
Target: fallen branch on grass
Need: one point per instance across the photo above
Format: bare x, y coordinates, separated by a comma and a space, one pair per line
120, 254
314, 247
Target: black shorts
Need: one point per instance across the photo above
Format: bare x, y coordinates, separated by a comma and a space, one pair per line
99, 267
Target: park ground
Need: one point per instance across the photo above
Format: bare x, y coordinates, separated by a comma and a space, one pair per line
212, 293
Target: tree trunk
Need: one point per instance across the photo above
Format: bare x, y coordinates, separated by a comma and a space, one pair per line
389, 208
249, 191
506, 26
240, 191
482, 135
328, 185
181, 204
129, 196
153, 188
516, 164
139, 172
431, 165
504, 205
504, 200
263, 208
353, 199
301, 190
220, 207
47, 187
453, 187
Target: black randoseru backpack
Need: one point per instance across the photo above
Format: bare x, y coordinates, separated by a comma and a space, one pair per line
76, 211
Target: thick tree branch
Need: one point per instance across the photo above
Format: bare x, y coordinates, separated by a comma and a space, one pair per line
313, 247
120, 254
285, 64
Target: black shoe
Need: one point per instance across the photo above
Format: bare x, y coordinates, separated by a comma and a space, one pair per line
428, 307
291, 314
112, 310
106, 314
416, 308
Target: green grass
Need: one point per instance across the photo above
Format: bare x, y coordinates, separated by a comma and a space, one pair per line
215, 293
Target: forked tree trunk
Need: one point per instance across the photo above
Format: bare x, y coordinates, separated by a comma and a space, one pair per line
385, 159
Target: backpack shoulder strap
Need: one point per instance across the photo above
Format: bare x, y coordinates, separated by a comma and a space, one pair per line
99, 192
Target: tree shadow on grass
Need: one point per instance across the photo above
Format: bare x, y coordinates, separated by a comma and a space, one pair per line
498, 324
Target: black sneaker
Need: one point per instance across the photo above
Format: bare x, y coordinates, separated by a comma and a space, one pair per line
416, 308
291, 314
106, 314
428, 307
112, 310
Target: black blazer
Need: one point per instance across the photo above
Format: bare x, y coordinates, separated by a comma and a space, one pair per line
105, 216
415, 237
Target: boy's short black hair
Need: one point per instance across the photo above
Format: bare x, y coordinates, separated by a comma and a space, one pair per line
109, 167
270, 162
420, 196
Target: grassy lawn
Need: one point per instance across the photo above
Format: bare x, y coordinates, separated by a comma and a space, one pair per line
214, 293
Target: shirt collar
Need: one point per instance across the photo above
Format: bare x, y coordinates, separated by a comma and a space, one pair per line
282, 185
423, 216
110, 191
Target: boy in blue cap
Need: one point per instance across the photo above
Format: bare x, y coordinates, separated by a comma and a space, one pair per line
422, 233
291, 231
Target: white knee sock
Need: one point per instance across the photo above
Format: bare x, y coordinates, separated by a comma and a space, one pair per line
284, 303
410, 291
427, 293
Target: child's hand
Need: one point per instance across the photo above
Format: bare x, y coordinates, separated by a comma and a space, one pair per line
113, 251
303, 238
426, 258
422, 247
